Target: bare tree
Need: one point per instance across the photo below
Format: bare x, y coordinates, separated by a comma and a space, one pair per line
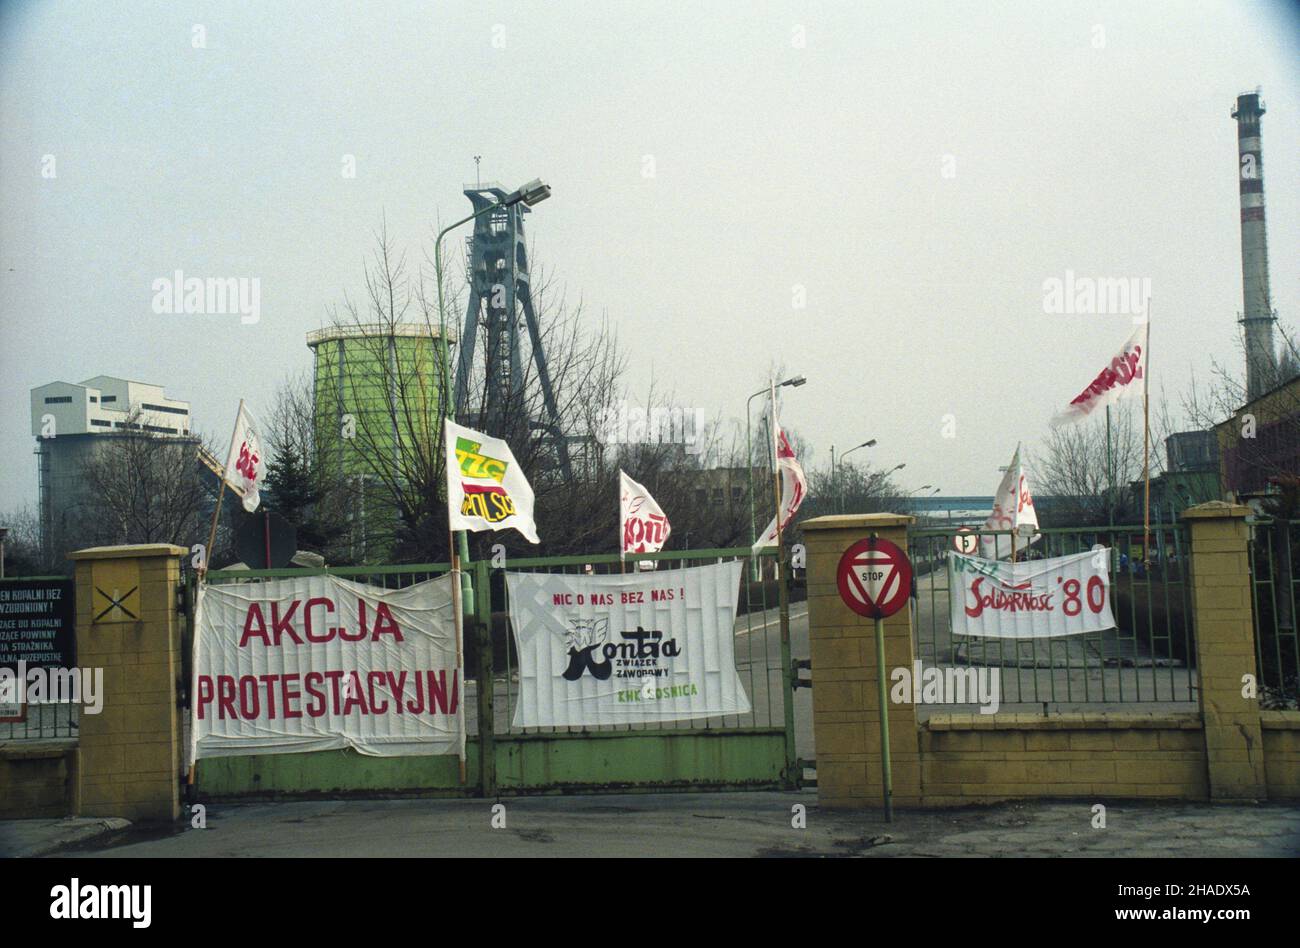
146, 487
22, 544
1267, 445
1090, 480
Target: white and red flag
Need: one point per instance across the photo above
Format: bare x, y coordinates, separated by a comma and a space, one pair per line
246, 463
794, 485
1013, 509
1124, 375
642, 523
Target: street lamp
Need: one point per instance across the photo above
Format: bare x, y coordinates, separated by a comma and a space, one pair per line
793, 382
534, 192
839, 504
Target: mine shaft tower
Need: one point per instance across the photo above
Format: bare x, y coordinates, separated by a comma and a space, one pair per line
500, 298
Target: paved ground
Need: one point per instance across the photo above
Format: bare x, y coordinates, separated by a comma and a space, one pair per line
36, 837
732, 824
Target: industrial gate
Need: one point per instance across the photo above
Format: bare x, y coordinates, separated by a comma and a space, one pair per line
1148, 658
751, 751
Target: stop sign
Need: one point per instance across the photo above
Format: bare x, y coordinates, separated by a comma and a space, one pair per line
874, 578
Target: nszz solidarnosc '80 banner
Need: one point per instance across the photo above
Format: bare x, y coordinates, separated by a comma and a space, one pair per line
1035, 599
319, 663
626, 647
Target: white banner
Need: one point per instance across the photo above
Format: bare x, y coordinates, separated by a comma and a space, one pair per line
1125, 374
486, 487
642, 524
319, 663
637, 647
1035, 599
246, 462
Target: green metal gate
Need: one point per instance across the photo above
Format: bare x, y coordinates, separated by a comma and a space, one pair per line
753, 751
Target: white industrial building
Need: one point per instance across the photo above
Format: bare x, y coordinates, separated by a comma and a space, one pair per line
66, 420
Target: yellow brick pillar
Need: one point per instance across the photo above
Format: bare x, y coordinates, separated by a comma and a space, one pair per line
846, 712
1224, 627
128, 625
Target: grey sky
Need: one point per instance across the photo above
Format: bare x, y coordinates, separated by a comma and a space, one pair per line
775, 166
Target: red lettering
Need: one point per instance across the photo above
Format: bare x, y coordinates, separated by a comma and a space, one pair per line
306, 619
287, 696
313, 679
254, 610
371, 678
226, 697
385, 624
282, 624
205, 693
249, 703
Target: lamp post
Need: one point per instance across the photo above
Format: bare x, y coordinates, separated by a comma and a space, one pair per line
792, 382
534, 192
839, 501
881, 475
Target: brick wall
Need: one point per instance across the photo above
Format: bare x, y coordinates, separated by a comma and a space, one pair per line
1229, 750
36, 778
974, 758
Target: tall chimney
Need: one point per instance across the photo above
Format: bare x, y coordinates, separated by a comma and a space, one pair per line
1257, 317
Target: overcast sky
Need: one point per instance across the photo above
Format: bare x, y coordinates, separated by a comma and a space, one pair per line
920, 169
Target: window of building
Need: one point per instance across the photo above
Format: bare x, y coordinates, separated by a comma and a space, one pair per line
701, 495
59, 400
166, 408
94, 398
108, 398
735, 495
717, 495
100, 424
159, 430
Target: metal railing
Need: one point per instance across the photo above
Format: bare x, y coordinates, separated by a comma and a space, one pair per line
1275, 594
1148, 658
761, 661
42, 722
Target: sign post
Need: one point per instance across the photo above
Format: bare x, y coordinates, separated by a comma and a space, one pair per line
875, 581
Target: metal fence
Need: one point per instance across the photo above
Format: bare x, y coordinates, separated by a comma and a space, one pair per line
1275, 589
1148, 658
762, 659
42, 722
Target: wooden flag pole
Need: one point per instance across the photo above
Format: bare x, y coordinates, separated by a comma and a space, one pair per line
221, 494
455, 601
212, 539
776, 474
1146, 446
460, 626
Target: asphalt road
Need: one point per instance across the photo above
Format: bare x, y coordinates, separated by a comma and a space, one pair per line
701, 824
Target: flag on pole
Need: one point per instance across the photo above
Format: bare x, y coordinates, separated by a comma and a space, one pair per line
641, 522
486, 487
1123, 376
793, 486
1013, 508
246, 463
